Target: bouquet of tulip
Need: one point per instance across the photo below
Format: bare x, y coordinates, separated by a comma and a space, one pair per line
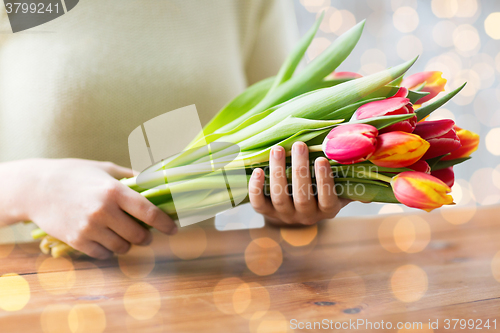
372, 128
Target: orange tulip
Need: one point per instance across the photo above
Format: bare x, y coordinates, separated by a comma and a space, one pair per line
433, 81
419, 190
469, 141
398, 149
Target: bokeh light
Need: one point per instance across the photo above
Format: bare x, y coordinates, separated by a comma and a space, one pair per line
466, 8
409, 47
484, 190
153, 325
268, 322
443, 33
495, 266
234, 296
14, 292
189, 243
318, 45
315, 6
465, 207
466, 38
138, 262
405, 19
263, 256
347, 288
87, 318
412, 234
492, 25
391, 209
56, 275
444, 8
54, 318
299, 236
142, 301
409, 283
372, 61
492, 141
441, 113
348, 21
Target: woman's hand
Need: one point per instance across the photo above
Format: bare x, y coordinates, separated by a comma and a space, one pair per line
304, 208
81, 203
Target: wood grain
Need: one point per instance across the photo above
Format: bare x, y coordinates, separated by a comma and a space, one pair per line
343, 273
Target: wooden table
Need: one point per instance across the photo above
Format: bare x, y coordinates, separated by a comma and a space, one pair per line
395, 268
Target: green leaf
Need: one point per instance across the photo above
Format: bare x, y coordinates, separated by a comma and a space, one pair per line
293, 59
314, 72
282, 130
445, 164
388, 91
238, 106
321, 102
424, 111
347, 111
364, 192
383, 121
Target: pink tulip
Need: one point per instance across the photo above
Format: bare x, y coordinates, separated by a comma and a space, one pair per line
398, 149
440, 134
398, 104
419, 190
446, 175
421, 166
350, 143
433, 81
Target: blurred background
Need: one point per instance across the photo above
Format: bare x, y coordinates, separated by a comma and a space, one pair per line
460, 38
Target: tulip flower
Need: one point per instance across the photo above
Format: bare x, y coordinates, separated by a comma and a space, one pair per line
469, 141
421, 166
350, 143
446, 175
343, 75
389, 106
398, 149
440, 134
433, 83
419, 190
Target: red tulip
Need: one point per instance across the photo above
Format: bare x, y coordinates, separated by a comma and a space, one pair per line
440, 134
343, 75
433, 81
446, 175
421, 166
350, 143
398, 104
419, 190
469, 141
398, 149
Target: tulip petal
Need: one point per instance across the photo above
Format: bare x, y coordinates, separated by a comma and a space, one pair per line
398, 149
469, 141
419, 190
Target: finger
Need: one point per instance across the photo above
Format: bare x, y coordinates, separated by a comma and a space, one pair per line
93, 249
328, 202
303, 198
141, 208
128, 229
279, 185
111, 241
259, 202
116, 171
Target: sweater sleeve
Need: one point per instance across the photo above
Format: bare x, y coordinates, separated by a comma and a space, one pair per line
276, 35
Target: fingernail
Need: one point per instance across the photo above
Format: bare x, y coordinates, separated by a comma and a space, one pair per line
277, 153
256, 173
298, 148
149, 239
